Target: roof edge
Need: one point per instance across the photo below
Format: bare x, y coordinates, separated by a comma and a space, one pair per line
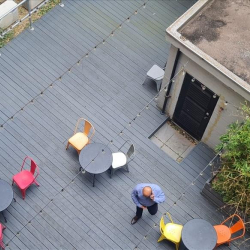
173, 32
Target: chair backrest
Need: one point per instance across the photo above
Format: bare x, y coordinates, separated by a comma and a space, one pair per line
33, 166
87, 127
169, 216
162, 224
239, 225
131, 151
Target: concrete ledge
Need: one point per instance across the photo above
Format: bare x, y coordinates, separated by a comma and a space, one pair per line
11, 17
32, 3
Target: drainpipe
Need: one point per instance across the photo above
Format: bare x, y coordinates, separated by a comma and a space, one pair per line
170, 83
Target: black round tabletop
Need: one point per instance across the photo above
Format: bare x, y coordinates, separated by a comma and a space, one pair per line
95, 158
6, 195
198, 234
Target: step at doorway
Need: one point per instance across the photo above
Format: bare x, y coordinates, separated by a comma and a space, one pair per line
174, 141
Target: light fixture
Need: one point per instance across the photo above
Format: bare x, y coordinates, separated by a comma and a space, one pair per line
226, 103
203, 87
193, 80
214, 96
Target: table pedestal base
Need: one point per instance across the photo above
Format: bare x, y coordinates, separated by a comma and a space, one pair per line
4, 217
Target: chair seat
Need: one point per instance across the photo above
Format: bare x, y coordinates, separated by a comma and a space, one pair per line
23, 179
172, 232
223, 234
79, 140
119, 160
156, 73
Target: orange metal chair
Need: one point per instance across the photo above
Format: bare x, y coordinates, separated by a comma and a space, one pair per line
80, 139
2, 227
224, 233
25, 178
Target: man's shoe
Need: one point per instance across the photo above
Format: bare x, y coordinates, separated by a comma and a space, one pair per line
134, 220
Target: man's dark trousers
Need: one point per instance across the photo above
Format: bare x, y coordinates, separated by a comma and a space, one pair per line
152, 210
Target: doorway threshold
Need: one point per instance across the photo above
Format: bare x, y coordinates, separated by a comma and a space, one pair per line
175, 142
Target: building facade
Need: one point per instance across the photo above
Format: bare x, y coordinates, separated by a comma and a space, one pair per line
206, 92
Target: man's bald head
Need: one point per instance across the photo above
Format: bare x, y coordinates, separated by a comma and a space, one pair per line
147, 191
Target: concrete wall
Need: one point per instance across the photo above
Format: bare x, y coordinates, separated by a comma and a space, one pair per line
32, 3
11, 17
223, 114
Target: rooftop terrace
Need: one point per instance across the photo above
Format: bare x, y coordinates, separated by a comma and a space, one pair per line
39, 112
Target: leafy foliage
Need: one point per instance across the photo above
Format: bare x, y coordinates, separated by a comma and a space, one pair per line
233, 179
6, 38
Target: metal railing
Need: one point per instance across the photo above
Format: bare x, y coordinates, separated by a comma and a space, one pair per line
29, 15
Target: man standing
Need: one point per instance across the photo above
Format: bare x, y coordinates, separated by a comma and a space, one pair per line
146, 195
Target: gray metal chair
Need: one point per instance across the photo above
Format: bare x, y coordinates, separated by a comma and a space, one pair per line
156, 74
121, 160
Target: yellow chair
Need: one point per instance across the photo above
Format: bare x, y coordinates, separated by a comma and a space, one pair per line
170, 231
80, 139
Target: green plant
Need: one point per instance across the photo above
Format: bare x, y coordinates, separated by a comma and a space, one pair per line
47, 7
233, 179
6, 38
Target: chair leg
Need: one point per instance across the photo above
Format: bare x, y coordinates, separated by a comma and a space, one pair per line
177, 246
158, 84
126, 167
2, 245
111, 172
161, 238
5, 219
36, 183
144, 81
23, 193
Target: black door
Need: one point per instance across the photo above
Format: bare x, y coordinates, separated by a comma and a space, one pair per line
195, 106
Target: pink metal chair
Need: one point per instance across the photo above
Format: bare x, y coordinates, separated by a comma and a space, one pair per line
2, 227
25, 178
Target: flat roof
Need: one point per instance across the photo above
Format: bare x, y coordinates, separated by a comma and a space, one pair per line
222, 30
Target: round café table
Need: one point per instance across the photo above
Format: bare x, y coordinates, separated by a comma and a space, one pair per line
198, 234
95, 158
6, 196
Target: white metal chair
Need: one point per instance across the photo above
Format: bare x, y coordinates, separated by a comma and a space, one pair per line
121, 160
156, 73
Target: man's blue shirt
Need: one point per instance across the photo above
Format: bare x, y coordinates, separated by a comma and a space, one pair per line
140, 200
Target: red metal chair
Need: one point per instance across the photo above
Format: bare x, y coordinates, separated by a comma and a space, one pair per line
26, 177
2, 227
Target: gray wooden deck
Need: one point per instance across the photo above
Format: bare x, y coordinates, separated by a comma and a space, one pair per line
106, 88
